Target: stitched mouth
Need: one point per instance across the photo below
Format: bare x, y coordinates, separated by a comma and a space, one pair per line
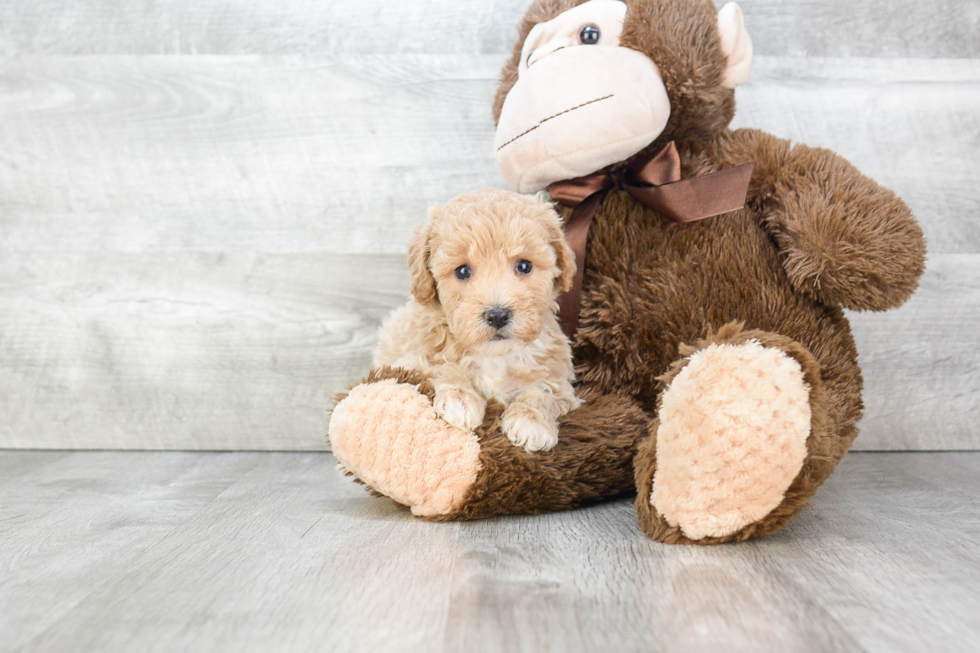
560, 113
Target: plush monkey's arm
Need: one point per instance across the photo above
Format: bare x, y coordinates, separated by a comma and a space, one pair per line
844, 239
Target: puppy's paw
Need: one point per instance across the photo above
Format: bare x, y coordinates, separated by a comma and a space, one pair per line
463, 409
526, 428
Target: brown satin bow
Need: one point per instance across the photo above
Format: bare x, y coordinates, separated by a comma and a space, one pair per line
655, 181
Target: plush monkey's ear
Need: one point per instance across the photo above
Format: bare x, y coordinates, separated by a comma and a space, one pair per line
736, 45
419, 251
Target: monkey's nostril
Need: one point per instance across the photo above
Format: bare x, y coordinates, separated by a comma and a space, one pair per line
497, 317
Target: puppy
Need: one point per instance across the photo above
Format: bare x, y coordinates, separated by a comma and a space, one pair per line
486, 271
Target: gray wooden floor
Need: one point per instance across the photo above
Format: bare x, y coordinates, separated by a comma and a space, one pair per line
130, 551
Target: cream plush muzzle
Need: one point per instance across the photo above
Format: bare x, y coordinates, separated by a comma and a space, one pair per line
577, 108
576, 111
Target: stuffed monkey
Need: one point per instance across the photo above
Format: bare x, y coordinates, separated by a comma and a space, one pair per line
718, 370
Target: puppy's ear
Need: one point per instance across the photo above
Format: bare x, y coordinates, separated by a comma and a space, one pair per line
566, 257
419, 251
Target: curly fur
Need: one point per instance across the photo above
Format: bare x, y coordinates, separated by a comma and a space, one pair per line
443, 331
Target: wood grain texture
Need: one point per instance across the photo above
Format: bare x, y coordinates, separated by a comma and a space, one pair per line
909, 124
921, 363
841, 28
214, 351
117, 551
185, 350
902, 28
69, 526
196, 251
228, 154
347, 154
284, 27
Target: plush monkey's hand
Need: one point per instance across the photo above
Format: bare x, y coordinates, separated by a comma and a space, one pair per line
844, 239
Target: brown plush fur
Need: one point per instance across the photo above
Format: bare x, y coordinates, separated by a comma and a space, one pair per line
592, 461
814, 236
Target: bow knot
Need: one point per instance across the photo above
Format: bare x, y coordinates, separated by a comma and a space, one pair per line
654, 181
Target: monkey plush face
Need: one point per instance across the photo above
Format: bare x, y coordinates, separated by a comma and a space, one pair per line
599, 82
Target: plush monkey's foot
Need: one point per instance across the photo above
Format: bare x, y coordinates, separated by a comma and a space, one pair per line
730, 442
386, 432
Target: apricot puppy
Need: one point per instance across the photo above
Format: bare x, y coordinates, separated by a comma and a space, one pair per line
486, 270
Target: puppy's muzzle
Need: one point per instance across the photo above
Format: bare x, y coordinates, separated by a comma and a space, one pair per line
497, 317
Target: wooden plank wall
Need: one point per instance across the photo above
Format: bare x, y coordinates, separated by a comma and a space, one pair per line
204, 205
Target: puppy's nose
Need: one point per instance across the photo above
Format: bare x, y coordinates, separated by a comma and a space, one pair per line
498, 317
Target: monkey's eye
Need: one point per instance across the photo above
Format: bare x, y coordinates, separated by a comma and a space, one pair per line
589, 35
524, 267
463, 272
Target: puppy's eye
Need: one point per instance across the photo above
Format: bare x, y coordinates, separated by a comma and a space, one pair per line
463, 272
589, 35
524, 267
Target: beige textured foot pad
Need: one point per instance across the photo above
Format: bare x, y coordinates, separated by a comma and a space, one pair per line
732, 438
388, 435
